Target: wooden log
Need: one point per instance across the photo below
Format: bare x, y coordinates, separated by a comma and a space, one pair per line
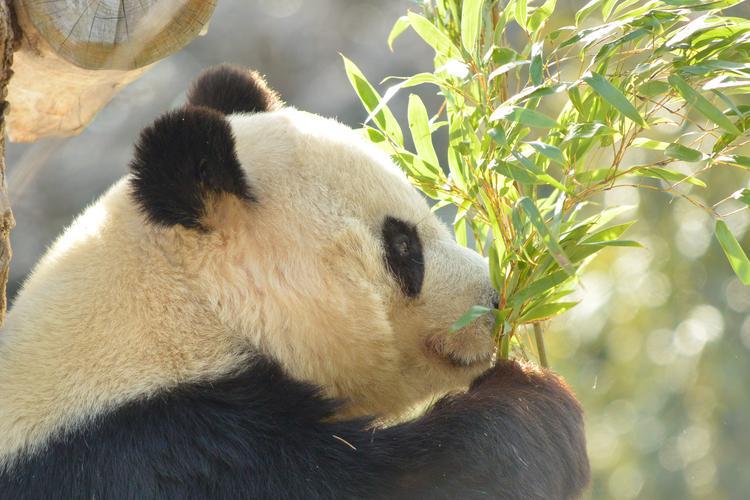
117, 34
75, 55
6, 215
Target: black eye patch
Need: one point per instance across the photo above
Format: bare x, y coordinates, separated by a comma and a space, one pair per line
403, 255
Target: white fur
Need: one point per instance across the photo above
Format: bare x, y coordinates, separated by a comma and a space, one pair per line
120, 308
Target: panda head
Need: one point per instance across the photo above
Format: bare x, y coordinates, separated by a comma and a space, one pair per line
288, 234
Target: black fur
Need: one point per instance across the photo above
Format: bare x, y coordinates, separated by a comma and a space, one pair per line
181, 161
403, 255
517, 434
229, 89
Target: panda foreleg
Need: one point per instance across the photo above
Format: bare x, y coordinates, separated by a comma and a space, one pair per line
517, 433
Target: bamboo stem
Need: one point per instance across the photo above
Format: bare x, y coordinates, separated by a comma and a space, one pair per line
539, 339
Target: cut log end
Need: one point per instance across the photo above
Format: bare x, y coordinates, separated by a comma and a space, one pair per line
117, 34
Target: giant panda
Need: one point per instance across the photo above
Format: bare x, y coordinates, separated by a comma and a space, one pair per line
255, 311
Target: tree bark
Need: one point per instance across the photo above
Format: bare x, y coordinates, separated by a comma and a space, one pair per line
6, 215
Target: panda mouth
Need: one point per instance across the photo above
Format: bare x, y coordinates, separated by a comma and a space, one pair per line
456, 360
460, 362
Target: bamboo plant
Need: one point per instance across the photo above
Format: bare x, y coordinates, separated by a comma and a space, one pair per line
542, 119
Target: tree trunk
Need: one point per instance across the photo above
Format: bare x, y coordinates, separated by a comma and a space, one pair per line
6, 215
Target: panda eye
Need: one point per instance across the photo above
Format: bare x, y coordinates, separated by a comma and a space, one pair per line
402, 245
403, 255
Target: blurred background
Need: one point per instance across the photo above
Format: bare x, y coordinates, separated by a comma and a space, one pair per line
659, 348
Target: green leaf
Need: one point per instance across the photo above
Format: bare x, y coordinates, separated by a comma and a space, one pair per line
608, 234
401, 25
702, 104
498, 135
418, 79
642, 142
684, 153
734, 252
545, 311
520, 13
551, 152
607, 8
547, 237
608, 48
471, 20
501, 55
742, 195
613, 96
535, 70
654, 88
433, 36
371, 100
543, 177
474, 313
522, 115
585, 250
668, 175
538, 288
587, 9
516, 173
420, 130
587, 131
735, 160
501, 70
540, 16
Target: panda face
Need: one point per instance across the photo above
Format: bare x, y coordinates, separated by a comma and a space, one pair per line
355, 281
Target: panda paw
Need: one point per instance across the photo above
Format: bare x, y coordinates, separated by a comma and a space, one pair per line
541, 412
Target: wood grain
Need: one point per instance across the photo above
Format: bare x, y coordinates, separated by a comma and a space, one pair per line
64, 74
117, 34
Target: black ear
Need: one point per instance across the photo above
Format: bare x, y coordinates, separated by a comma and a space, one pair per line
229, 89
183, 160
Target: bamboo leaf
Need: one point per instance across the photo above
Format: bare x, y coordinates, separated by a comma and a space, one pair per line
401, 25
742, 195
684, 153
549, 151
587, 9
613, 96
654, 88
501, 70
608, 234
371, 100
540, 15
471, 20
548, 239
528, 117
587, 131
642, 142
734, 252
545, 311
420, 130
520, 13
434, 37
535, 70
668, 175
470, 316
538, 288
735, 160
702, 104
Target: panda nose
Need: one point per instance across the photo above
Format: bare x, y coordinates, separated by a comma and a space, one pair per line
495, 300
